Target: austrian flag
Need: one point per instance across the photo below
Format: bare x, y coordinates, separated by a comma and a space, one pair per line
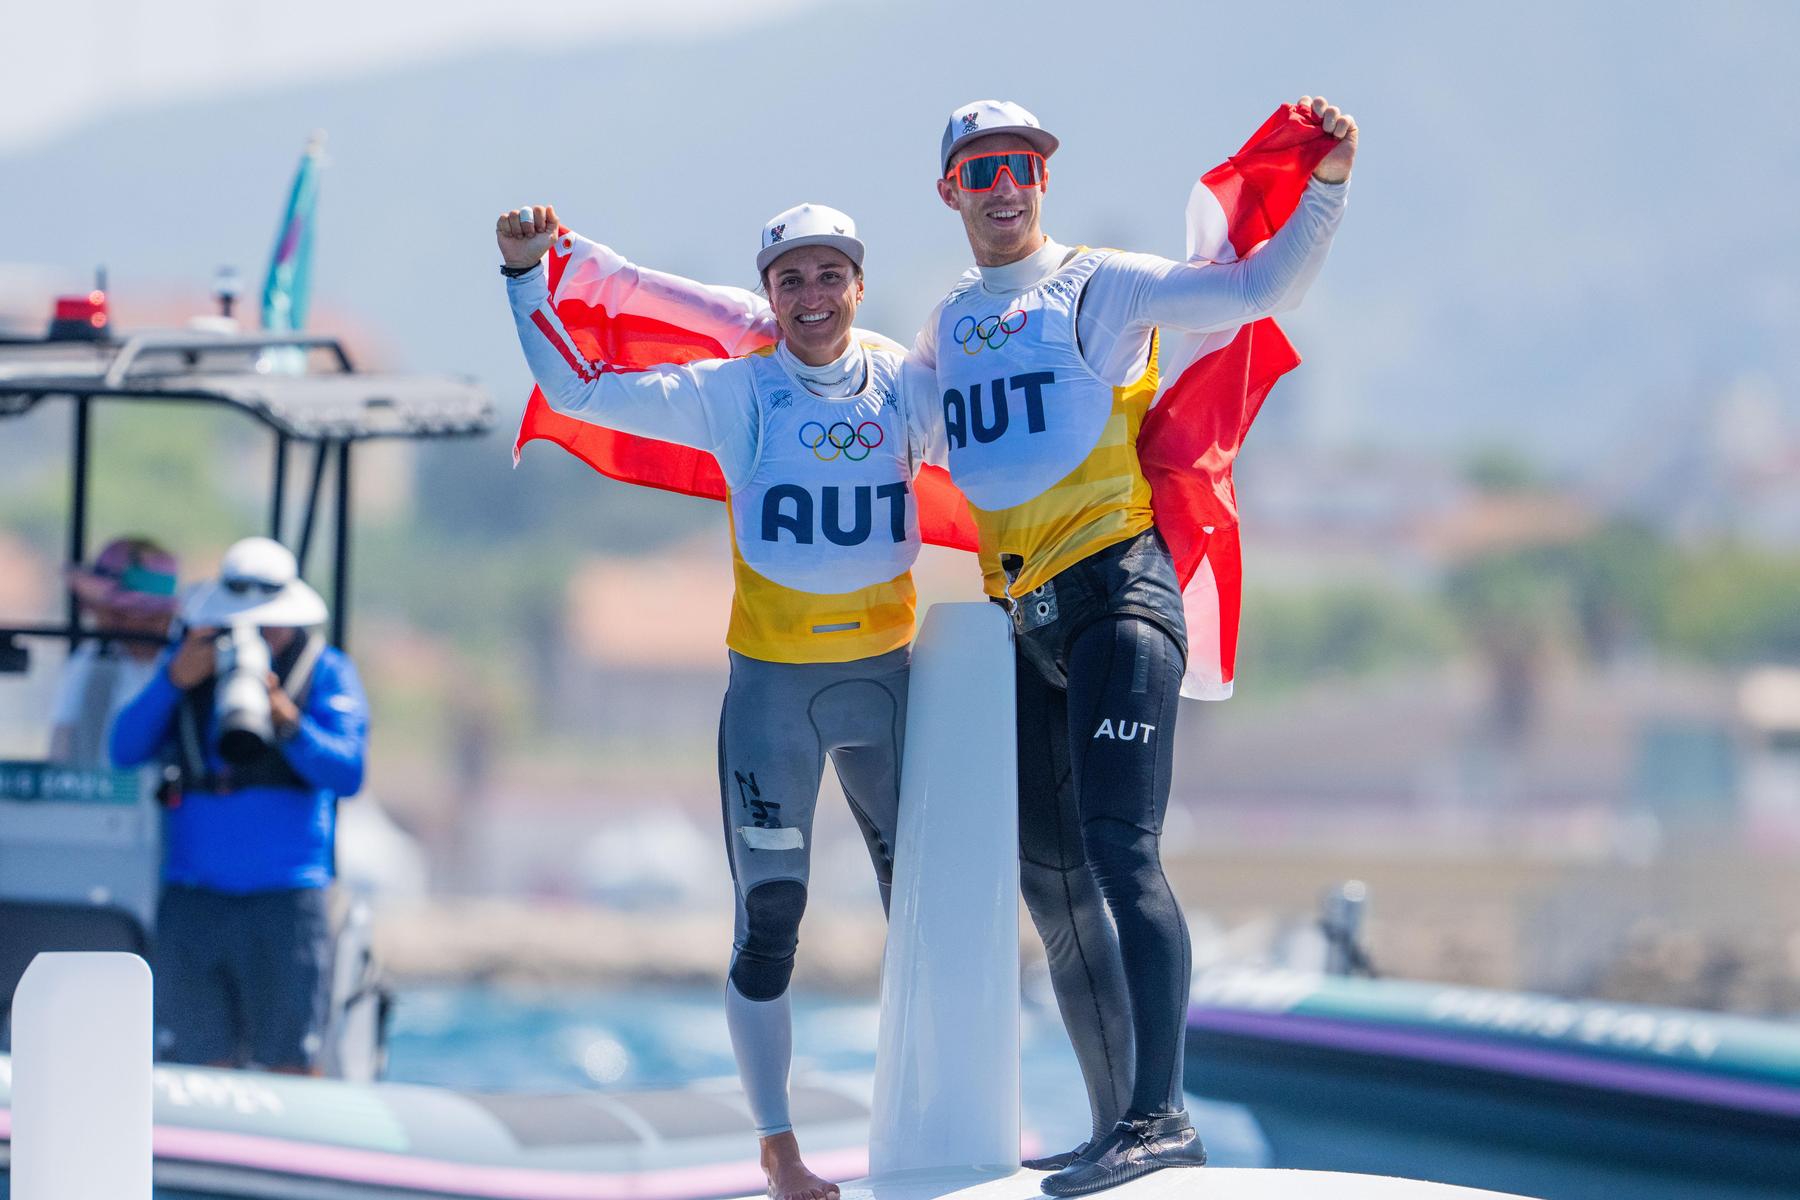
1214, 385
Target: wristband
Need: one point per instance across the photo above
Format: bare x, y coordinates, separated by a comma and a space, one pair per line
515, 272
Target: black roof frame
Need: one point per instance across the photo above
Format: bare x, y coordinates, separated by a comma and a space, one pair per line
318, 409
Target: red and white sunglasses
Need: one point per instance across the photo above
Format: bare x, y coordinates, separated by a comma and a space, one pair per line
981, 172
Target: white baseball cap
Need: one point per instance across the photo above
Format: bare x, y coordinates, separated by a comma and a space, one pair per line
808, 225
979, 118
259, 581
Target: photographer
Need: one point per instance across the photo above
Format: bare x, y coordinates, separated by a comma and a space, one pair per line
265, 727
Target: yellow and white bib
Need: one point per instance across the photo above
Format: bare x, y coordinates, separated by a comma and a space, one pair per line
825, 527
1045, 449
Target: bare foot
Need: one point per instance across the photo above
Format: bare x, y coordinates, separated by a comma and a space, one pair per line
788, 1177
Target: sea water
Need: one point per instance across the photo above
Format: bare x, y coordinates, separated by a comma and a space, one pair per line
495, 1038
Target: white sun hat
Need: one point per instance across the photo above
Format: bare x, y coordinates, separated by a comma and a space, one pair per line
259, 582
808, 225
978, 118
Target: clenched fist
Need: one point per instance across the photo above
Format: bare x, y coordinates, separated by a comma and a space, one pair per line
525, 234
1335, 168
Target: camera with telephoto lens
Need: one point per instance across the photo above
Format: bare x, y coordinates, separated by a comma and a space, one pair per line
241, 701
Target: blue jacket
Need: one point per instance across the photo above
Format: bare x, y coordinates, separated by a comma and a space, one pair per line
258, 839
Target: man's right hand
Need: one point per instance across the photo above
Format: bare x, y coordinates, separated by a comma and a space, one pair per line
1335, 166
525, 234
195, 659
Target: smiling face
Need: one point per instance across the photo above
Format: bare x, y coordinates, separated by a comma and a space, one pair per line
1002, 224
814, 291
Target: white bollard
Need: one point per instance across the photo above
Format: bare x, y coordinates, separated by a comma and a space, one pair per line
81, 1095
947, 1062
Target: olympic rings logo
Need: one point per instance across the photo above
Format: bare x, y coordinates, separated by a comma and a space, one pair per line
844, 444
991, 332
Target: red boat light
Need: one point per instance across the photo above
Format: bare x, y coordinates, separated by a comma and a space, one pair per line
78, 317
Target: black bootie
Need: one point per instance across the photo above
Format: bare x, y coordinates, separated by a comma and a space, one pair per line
1135, 1147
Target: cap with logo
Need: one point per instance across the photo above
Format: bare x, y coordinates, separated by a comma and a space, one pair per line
258, 581
978, 118
808, 225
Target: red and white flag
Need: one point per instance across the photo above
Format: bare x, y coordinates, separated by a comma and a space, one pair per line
1213, 386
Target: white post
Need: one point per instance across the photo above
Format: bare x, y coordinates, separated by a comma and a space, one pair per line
947, 1062
81, 1097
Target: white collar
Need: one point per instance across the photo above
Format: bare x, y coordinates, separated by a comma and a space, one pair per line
842, 377
1033, 269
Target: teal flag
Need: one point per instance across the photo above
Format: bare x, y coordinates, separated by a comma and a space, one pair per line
289, 285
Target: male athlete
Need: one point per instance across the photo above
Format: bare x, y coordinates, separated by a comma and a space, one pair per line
1045, 361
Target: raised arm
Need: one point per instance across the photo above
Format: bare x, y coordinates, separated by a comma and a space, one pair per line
708, 405
1133, 292
739, 320
1200, 296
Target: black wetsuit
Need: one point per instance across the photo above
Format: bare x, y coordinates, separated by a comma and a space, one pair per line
1100, 652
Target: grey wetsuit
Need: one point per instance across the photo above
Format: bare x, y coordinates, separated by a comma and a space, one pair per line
779, 722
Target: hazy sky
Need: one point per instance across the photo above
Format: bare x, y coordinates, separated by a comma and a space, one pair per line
71, 60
